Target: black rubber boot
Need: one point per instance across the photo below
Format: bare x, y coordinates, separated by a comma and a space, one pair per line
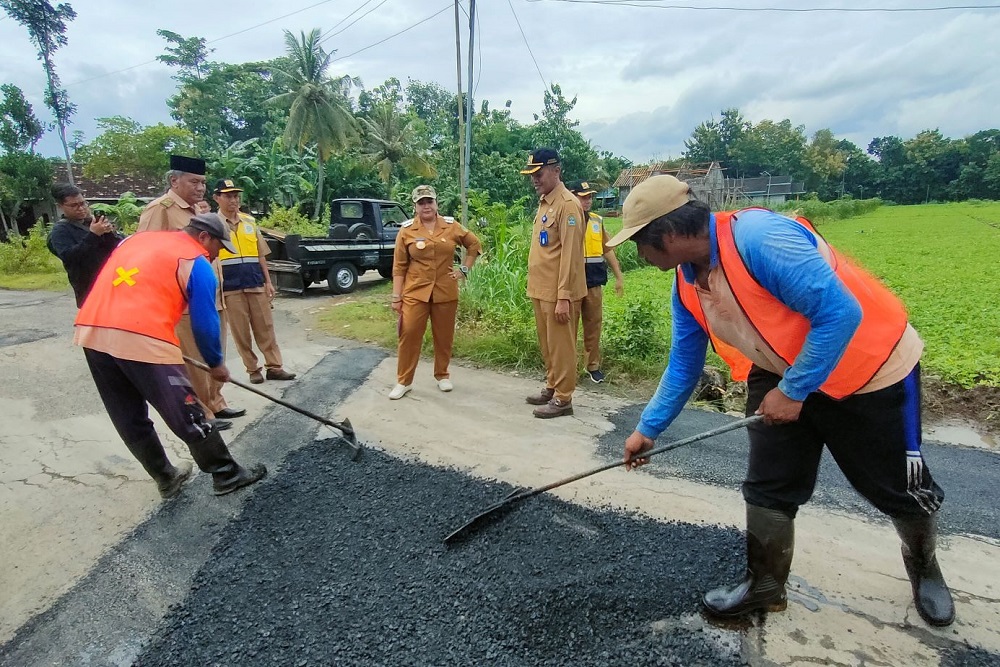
770, 542
930, 592
150, 453
212, 456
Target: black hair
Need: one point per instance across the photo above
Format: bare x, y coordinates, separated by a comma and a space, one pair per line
691, 219
63, 191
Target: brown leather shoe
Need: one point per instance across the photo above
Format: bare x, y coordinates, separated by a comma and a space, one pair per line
554, 408
279, 374
256, 378
541, 399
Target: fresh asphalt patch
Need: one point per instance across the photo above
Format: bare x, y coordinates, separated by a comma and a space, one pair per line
335, 564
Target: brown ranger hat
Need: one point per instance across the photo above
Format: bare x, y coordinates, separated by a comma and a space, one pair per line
542, 157
214, 225
423, 192
226, 185
649, 200
581, 188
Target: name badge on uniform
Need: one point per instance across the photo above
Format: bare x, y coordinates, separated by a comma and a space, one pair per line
543, 238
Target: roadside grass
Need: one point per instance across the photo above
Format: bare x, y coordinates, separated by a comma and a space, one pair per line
48, 281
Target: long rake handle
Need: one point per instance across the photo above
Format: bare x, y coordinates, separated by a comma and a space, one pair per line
344, 428
653, 452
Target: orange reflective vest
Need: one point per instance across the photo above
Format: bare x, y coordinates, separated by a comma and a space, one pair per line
137, 290
784, 330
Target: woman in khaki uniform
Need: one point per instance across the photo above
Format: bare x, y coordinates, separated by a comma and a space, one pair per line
425, 284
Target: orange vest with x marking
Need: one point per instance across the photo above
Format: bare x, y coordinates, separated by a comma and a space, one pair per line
137, 290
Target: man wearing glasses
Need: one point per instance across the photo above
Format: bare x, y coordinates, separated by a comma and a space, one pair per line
82, 241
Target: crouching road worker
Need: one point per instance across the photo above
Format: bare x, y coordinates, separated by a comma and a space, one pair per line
127, 329
830, 359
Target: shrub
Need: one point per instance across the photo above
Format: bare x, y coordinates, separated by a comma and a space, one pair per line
125, 213
291, 221
29, 254
839, 209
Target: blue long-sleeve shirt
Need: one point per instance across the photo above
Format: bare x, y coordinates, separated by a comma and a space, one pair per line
205, 323
782, 256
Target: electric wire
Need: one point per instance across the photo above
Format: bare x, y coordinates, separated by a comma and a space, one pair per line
656, 4
545, 84
396, 34
330, 34
211, 41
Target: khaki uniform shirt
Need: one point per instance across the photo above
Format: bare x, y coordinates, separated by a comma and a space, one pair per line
425, 259
263, 250
171, 213
555, 270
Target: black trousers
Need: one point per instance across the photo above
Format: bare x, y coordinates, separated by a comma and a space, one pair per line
128, 388
868, 436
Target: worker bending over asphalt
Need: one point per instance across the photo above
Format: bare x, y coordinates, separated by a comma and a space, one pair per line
127, 329
829, 358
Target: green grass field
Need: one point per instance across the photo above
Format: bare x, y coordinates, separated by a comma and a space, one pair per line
941, 259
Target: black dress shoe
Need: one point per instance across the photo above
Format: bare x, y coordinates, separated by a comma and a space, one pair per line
230, 413
220, 424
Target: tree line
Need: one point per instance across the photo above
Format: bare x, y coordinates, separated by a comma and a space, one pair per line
296, 134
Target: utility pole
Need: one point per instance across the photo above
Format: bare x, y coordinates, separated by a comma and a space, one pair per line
468, 110
461, 128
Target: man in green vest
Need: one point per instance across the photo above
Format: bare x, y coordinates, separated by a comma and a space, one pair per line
597, 258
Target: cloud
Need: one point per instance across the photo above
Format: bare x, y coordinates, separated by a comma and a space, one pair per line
644, 78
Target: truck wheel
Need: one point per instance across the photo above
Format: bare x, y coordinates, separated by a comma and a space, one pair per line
339, 232
362, 232
385, 273
342, 278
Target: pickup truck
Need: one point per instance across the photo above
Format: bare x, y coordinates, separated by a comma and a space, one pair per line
362, 236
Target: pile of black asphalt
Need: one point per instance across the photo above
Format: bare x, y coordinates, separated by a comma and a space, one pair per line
345, 564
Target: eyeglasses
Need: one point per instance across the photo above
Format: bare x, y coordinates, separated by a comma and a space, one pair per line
78, 204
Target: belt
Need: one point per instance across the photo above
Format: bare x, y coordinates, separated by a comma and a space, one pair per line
593, 260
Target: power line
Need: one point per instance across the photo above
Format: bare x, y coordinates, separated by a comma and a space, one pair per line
654, 4
525, 38
397, 34
211, 41
330, 34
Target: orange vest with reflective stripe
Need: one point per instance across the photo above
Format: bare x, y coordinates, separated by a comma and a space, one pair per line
137, 290
784, 330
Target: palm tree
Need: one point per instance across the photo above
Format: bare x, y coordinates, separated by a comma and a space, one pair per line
389, 139
318, 107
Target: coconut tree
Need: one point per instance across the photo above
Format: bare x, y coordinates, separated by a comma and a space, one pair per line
318, 107
389, 138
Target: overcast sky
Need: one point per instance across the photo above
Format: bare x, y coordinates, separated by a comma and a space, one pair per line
644, 75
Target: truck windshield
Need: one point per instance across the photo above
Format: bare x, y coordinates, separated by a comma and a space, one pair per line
392, 215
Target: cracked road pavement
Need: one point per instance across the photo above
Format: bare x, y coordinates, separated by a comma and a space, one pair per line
77, 510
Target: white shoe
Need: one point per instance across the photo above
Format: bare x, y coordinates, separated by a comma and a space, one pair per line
445, 385
399, 391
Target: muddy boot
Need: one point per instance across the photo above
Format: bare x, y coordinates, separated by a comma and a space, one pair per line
150, 453
930, 592
212, 456
554, 408
770, 542
541, 398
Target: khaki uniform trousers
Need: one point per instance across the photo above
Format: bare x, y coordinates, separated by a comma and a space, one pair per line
558, 344
208, 391
250, 320
411, 336
592, 314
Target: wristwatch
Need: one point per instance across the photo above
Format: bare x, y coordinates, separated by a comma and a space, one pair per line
464, 269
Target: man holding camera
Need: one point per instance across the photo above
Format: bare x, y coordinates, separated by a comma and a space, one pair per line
81, 240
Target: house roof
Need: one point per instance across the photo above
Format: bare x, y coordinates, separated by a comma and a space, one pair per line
109, 187
633, 176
